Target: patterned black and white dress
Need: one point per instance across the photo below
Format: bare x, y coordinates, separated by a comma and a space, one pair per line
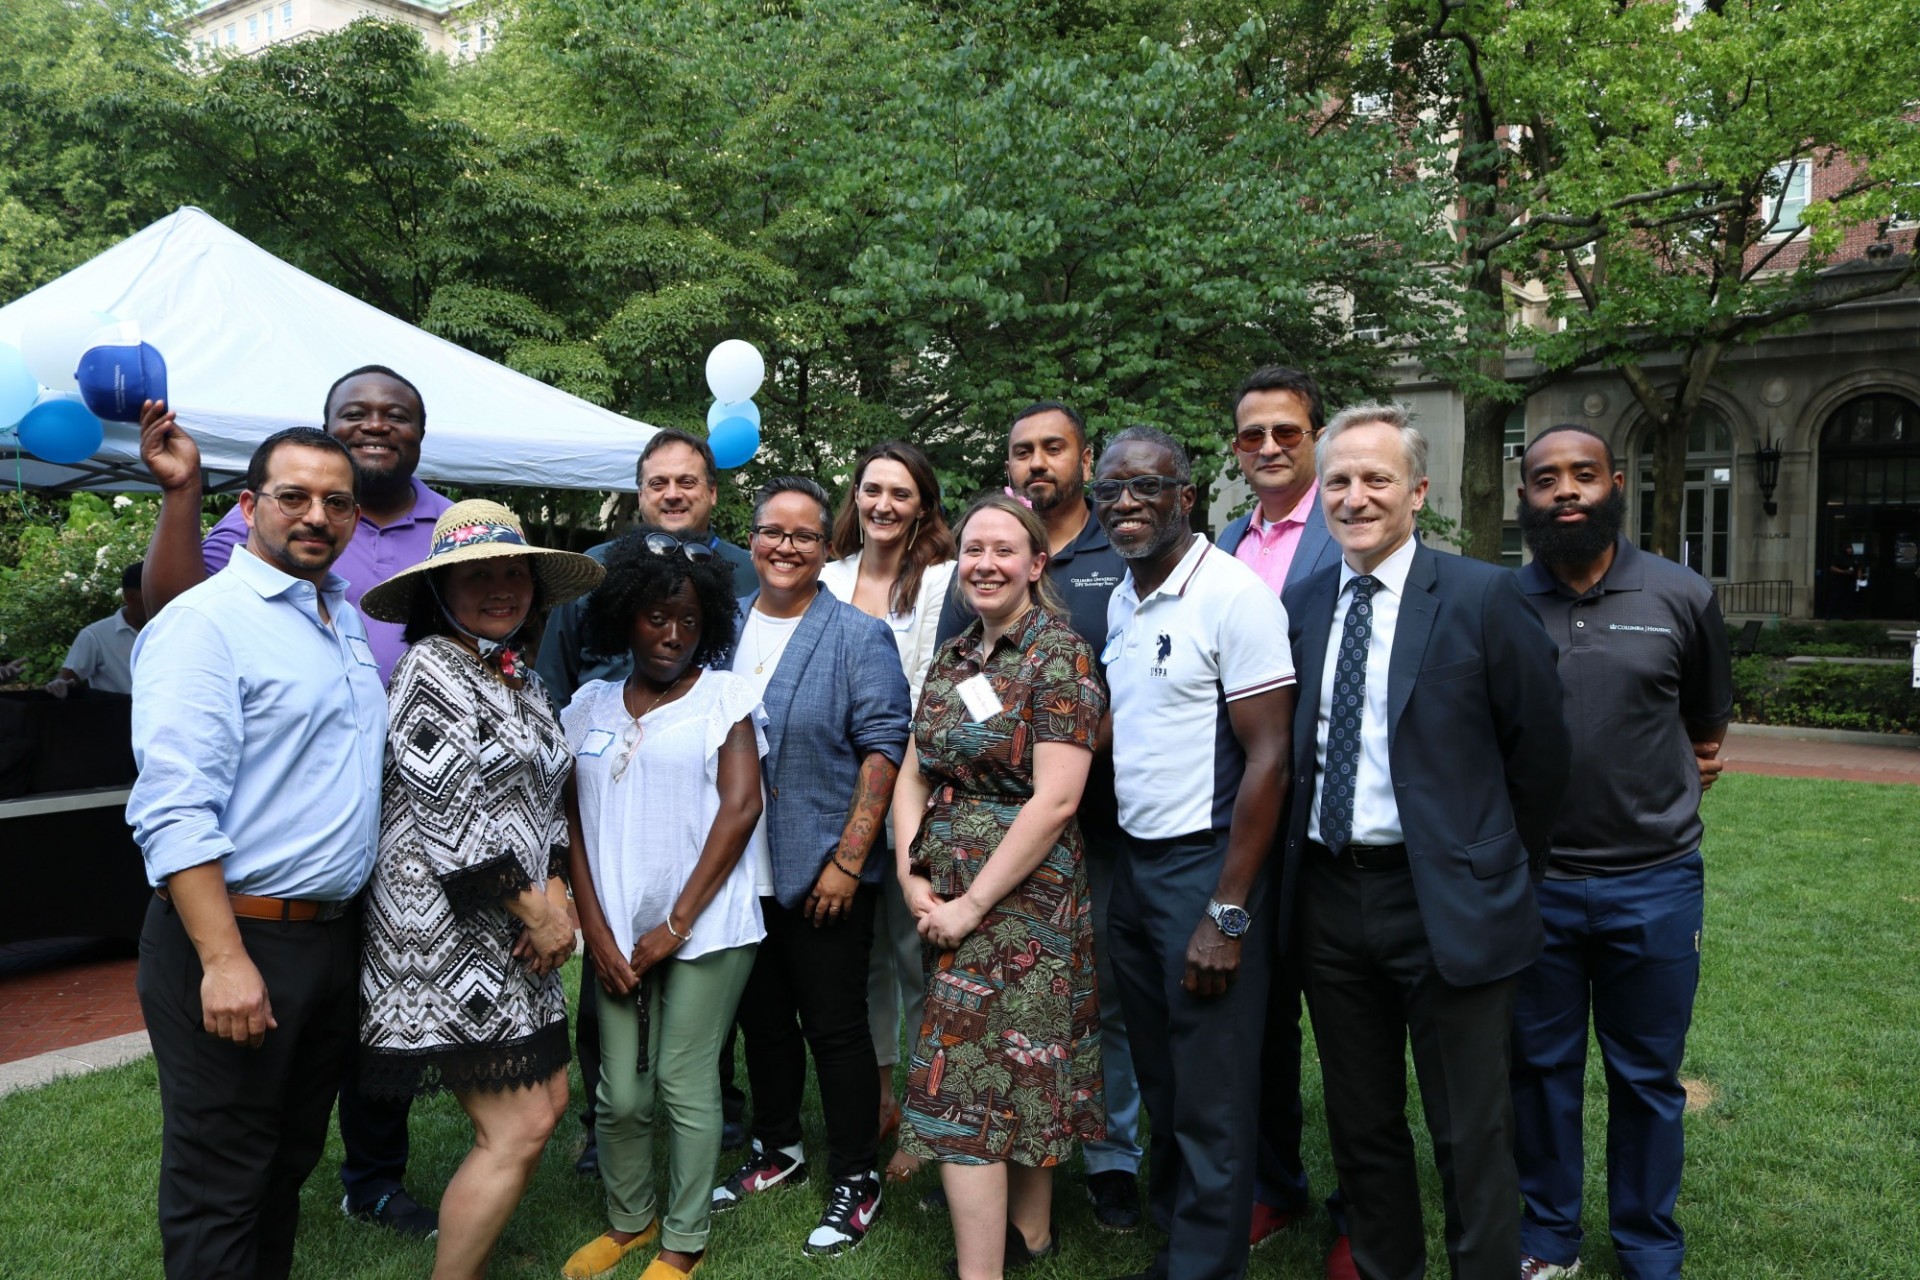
470, 814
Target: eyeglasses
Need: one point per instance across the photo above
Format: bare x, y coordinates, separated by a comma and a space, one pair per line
665, 544
1145, 488
295, 503
629, 743
802, 539
1249, 439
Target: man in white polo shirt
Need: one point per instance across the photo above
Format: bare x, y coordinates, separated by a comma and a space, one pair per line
1202, 703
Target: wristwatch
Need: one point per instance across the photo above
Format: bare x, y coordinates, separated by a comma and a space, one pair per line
1229, 919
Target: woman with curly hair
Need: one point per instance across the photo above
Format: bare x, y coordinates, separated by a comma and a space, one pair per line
665, 793
894, 562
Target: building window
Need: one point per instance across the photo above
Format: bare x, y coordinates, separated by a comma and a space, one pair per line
286, 16
1369, 326
233, 35
1510, 544
1784, 211
269, 24
1513, 441
253, 28
1706, 520
485, 38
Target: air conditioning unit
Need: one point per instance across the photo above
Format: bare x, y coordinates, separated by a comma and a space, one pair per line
1512, 452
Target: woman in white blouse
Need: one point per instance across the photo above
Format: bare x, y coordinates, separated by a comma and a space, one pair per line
665, 793
895, 562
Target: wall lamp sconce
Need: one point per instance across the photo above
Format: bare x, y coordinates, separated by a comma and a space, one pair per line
1766, 463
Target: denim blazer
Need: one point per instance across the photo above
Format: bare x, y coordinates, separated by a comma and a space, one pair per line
837, 695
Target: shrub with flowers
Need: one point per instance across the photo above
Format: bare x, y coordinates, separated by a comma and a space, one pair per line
60, 565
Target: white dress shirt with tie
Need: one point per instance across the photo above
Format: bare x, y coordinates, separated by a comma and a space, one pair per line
1376, 814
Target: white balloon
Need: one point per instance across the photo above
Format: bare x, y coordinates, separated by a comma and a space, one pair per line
53, 341
735, 371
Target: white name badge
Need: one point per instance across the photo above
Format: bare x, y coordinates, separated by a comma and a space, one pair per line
361, 653
598, 740
982, 702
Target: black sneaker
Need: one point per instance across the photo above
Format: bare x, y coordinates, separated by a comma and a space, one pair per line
763, 1171
1116, 1200
852, 1208
588, 1165
398, 1212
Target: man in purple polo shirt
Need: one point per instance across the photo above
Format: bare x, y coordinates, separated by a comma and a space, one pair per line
380, 417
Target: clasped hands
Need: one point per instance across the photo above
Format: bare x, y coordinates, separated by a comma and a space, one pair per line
945, 922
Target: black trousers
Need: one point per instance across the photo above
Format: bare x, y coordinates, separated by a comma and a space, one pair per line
242, 1128
808, 990
1372, 987
373, 1132
1198, 1060
1280, 1175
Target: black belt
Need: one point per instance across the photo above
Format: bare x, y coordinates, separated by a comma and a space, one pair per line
1363, 857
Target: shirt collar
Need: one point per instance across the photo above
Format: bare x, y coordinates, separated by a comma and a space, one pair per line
1390, 573
1301, 510
427, 508
270, 582
1090, 538
1177, 581
1628, 572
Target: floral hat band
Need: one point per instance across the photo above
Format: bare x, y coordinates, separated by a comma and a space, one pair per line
482, 530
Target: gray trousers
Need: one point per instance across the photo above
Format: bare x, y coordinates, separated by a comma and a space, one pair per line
1198, 1060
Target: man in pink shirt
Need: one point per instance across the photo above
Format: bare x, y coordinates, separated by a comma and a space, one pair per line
1277, 413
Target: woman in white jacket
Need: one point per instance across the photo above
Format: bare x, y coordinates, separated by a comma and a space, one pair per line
895, 558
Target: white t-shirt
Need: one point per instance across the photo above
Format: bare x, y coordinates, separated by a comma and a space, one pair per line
1211, 634
644, 831
755, 659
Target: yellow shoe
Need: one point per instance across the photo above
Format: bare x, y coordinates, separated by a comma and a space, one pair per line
659, 1270
603, 1253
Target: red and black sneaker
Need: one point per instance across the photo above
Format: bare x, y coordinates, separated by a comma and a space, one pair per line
852, 1208
763, 1171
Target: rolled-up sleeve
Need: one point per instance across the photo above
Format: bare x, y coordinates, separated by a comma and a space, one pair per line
187, 741
878, 700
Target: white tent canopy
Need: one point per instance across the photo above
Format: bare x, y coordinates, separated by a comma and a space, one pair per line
252, 344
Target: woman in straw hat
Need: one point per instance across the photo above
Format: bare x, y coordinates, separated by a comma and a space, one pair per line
467, 919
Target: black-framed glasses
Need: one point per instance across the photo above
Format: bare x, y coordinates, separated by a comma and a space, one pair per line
295, 503
665, 544
1144, 488
1250, 439
802, 539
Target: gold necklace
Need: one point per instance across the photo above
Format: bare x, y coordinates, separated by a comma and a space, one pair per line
760, 667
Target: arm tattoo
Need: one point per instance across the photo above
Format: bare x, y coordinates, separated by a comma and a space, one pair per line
870, 801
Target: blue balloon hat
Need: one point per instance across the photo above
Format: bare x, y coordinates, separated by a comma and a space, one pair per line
60, 429
116, 378
734, 441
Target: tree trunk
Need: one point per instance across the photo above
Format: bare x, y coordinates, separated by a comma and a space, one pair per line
1667, 443
1482, 504
1483, 498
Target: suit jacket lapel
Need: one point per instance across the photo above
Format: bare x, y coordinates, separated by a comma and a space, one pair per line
793, 662
1317, 548
1418, 608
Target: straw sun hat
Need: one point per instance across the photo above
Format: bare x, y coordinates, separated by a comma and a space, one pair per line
481, 530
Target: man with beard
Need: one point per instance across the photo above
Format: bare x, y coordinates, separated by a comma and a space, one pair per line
255, 696
1048, 464
1643, 658
380, 418
1202, 698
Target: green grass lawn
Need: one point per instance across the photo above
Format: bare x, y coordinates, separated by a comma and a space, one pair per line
1806, 1163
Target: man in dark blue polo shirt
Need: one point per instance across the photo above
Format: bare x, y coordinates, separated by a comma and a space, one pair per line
1049, 462
1649, 689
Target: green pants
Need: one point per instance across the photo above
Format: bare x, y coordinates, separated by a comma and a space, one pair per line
691, 1005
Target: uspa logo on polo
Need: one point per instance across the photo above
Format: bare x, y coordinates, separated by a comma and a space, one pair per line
1162, 647
119, 372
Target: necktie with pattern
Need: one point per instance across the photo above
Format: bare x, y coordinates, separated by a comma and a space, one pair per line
1344, 715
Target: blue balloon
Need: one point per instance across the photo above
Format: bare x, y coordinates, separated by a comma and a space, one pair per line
18, 387
721, 412
60, 430
734, 441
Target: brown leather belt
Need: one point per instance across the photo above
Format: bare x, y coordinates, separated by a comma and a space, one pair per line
1363, 857
283, 910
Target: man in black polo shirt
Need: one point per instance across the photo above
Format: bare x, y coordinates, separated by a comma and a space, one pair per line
1048, 464
1649, 688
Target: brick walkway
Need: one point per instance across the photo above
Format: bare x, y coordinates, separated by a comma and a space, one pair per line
1786, 757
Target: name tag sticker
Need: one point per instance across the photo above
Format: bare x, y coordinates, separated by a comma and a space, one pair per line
982, 702
1115, 641
598, 740
361, 653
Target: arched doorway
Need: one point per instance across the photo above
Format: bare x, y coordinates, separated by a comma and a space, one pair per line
1706, 521
1869, 537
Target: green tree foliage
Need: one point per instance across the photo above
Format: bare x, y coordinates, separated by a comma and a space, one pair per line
60, 569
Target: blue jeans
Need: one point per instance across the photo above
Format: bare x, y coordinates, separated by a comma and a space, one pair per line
1628, 948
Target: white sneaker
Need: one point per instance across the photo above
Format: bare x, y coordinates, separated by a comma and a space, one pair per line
1532, 1268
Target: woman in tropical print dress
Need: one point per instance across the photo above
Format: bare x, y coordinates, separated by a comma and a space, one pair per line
1005, 1075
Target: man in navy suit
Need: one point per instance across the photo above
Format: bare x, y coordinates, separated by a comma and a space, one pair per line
1277, 413
1432, 756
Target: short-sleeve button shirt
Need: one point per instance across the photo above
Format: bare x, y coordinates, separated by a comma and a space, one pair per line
1209, 635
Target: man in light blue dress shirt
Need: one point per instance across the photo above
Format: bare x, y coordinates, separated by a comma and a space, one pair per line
259, 726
